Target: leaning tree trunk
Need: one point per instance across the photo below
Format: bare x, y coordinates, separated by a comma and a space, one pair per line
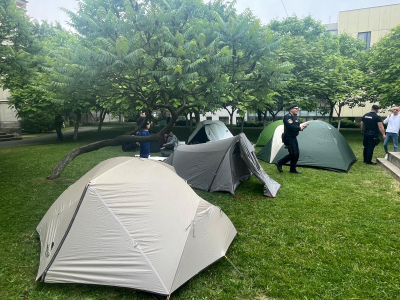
96, 146
78, 120
119, 140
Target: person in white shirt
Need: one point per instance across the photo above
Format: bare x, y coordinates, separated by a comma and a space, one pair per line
392, 130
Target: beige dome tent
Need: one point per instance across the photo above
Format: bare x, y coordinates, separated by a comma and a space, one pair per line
221, 165
135, 224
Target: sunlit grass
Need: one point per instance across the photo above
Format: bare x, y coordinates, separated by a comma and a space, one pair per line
326, 235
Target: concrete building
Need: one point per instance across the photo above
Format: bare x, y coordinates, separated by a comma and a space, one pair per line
370, 25
8, 121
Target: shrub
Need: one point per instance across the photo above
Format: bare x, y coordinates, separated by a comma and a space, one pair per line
250, 124
38, 123
183, 123
345, 123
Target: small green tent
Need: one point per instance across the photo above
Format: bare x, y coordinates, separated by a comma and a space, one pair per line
267, 133
321, 146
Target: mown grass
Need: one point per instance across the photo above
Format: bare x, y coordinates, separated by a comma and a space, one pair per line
325, 236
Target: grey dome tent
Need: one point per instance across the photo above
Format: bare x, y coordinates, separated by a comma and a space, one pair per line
209, 130
220, 166
134, 223
321, 146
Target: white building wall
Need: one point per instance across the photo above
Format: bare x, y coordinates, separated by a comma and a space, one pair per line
221, 115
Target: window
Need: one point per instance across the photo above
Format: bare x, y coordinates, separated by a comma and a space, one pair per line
209, 118
224, 119
366, 37
334, 32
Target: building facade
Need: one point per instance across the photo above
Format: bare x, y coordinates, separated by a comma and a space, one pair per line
370, 25
8, 121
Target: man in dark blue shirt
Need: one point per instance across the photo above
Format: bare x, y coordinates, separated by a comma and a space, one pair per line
371, 125
289, 138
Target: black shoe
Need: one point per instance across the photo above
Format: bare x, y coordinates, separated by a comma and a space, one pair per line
279, 167
370, 163
295, 172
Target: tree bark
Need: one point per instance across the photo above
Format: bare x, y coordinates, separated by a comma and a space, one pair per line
190, 122
78, 120
259, 115
119, 140
241, 130
339, 119
103, 113
265, 119
96, 146
197, 116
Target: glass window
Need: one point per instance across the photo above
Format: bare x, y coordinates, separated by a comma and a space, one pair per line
224, 119
366, 37
209, 118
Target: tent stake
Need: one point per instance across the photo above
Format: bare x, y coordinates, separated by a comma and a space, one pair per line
234, 266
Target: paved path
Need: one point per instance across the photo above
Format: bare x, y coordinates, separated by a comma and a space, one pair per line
45, 139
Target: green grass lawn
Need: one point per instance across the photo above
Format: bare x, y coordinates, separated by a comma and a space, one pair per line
326, 235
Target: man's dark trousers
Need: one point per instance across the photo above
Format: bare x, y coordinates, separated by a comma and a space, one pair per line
293, 156
369, 145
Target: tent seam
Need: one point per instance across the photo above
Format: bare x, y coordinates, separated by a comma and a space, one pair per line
101, 175
183, 249
138, 247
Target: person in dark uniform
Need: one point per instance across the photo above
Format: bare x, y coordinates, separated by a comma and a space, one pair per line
371, 125
58, 123
289, 138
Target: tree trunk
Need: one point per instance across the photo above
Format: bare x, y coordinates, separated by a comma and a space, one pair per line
78, 120
190, 122
96, 146
331, 112
259, 115
265, 119
241, 129
197, 116
119, 140
339, 119
103, 113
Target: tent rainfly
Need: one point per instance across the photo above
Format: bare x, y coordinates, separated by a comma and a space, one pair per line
321, 146
135, 224
220, 166
267, 133
207, 131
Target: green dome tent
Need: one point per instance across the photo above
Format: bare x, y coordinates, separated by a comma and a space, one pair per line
321, 146
267, 133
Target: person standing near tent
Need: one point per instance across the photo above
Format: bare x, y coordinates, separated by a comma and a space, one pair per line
371, 125
392, 130
141, 118
144, 146
289, 138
